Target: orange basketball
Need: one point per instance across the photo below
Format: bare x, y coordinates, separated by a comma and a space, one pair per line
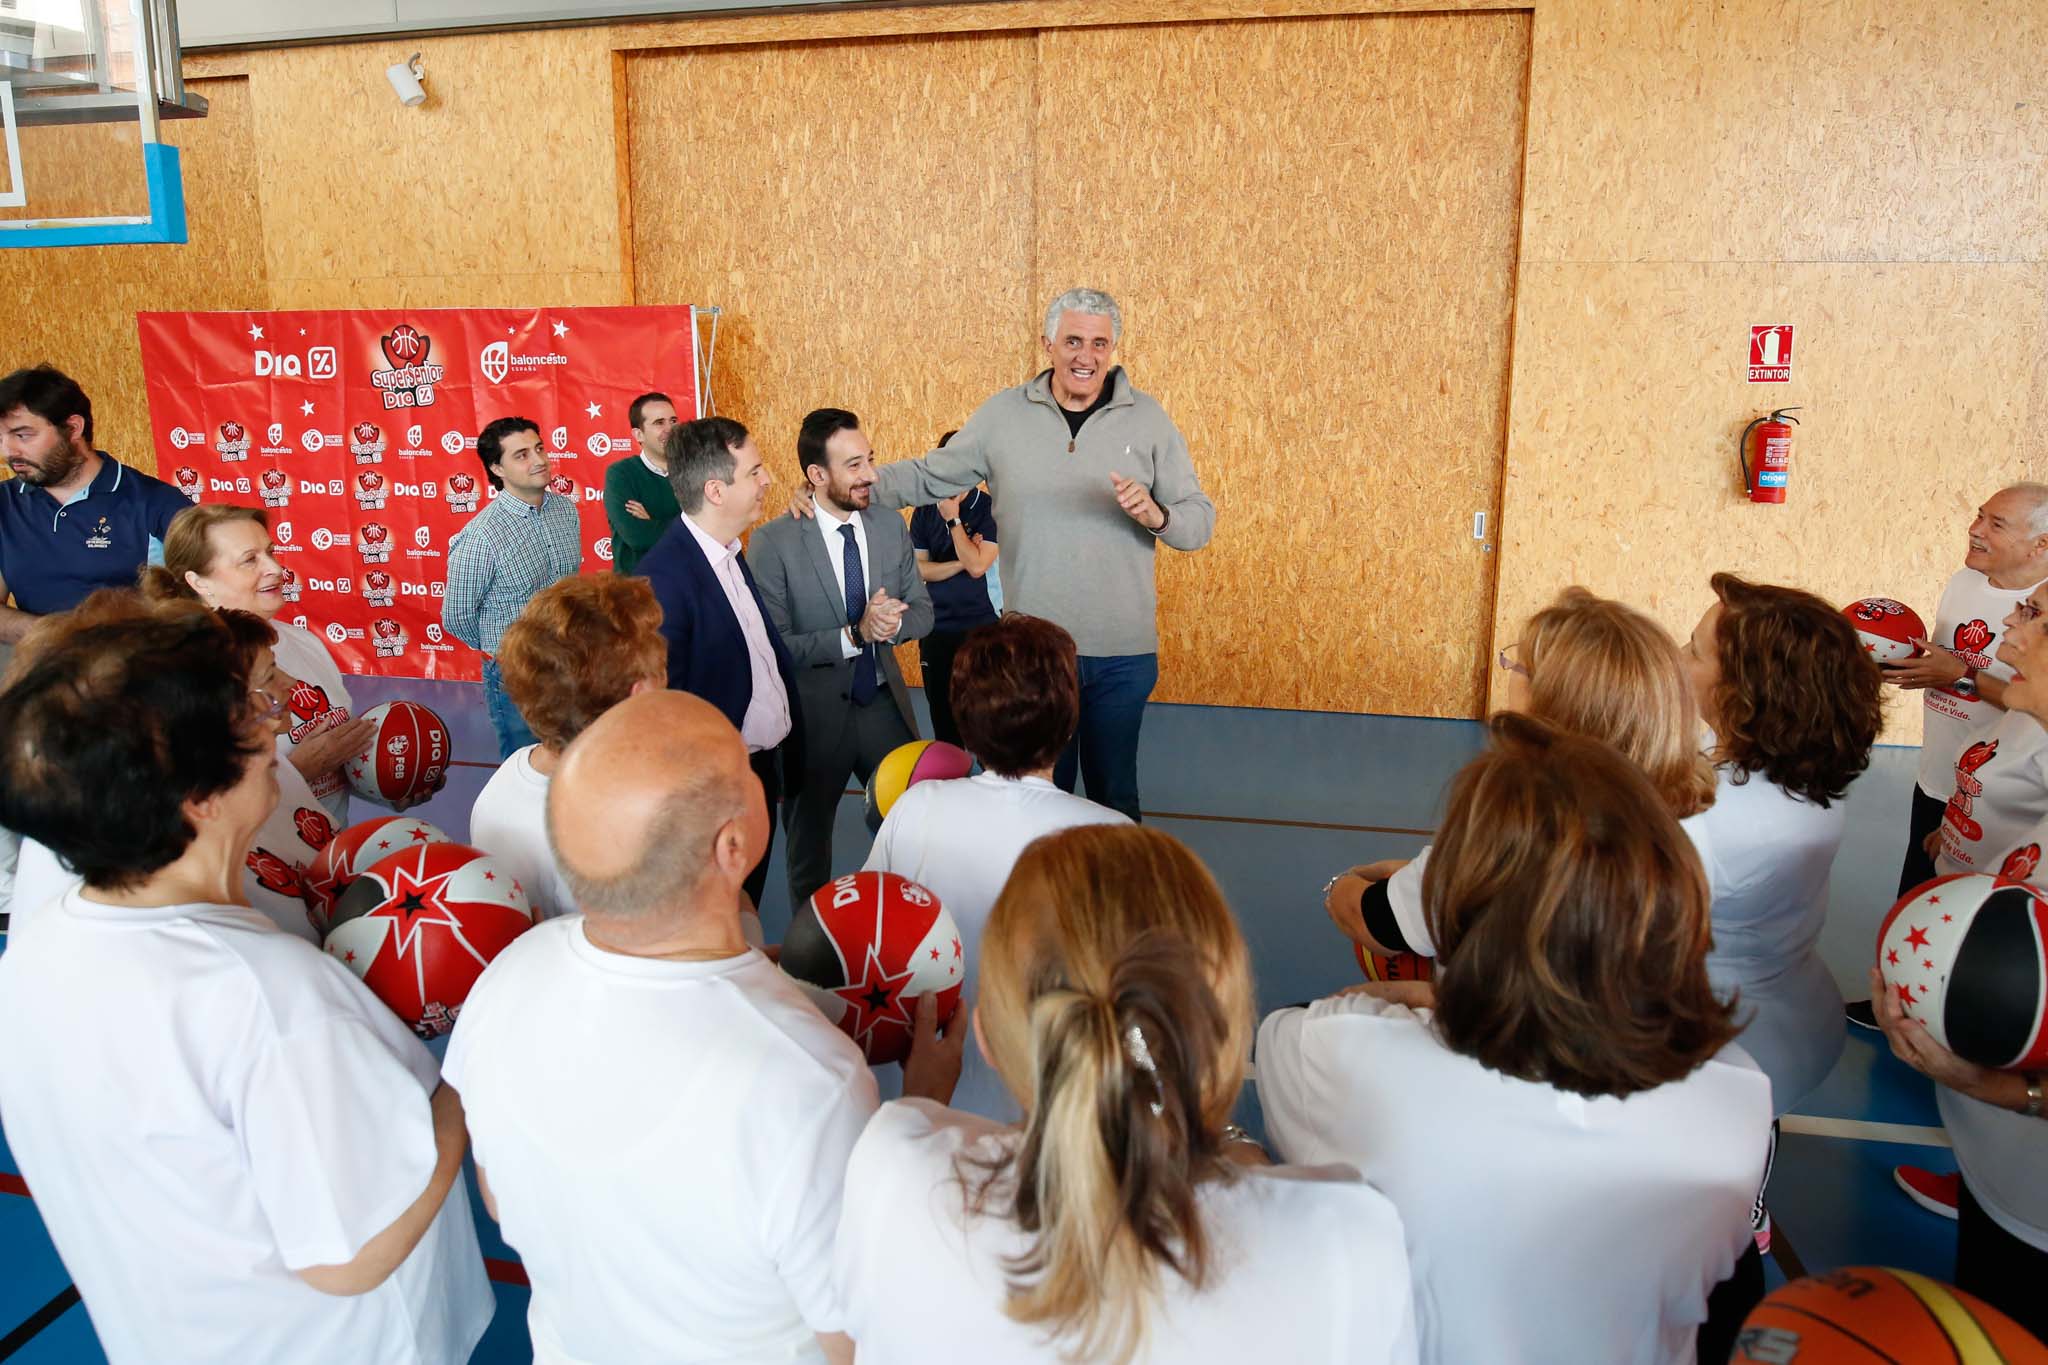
1867, 1314
1393, 966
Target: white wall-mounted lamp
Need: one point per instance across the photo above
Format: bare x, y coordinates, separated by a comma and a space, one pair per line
405, 78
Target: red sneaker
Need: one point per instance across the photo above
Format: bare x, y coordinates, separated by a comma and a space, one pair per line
1935, 1193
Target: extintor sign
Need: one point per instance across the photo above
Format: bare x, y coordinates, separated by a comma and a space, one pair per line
1770, 353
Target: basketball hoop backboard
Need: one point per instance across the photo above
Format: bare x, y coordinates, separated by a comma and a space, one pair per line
84, 88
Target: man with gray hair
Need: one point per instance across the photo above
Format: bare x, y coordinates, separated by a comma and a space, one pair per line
1088, 474
661, 1119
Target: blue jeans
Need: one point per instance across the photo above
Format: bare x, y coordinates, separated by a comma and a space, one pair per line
1105, 747
505, 718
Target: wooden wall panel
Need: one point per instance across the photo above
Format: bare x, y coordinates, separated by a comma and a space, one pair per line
500, 190
1788, 130
54, 162
862, 213
75, 307
1873, 174
1311, 226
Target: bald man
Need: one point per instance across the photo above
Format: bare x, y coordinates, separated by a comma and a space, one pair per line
660, 1118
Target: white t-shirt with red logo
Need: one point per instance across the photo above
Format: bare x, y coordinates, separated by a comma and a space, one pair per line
318, 704
1998, 791
283, 849
1969, 622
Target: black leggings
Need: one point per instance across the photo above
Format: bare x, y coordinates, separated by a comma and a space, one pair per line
1999, 1268
1919, 864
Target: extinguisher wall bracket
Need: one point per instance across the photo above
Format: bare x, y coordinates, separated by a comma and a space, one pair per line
1742, 441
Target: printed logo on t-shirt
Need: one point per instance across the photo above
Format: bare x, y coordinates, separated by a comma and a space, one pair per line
2021, 862
273, 872
1969, 788
314, 827
1971, 638
101, 536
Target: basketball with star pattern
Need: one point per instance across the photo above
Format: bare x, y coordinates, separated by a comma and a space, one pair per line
348, 853
1965, 956
420, 926
865, 947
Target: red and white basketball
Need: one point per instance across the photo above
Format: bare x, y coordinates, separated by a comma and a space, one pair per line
1887, 628
865, 947
420, 926
344, 857
1967, 955
406, 760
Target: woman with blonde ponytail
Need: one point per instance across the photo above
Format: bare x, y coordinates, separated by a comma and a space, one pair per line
1125, 1220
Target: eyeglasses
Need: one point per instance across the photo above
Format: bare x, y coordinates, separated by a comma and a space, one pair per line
2026, 610
1510, 659
272, 707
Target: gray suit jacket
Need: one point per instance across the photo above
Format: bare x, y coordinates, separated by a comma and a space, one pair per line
804, 601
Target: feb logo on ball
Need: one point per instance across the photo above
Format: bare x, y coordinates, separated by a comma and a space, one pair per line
408, 739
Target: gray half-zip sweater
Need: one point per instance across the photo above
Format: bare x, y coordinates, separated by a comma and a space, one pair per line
1070, 553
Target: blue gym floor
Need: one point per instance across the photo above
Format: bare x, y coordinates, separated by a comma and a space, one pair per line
1274, 801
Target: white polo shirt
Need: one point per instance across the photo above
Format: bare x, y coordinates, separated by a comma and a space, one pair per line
1541, 1225
959, 839
1306, 1265
510, 822
253, 1111
665, 1142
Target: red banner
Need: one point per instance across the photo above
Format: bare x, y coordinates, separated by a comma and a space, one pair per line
358, 431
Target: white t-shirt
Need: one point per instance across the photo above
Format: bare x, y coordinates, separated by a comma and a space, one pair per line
283, 848
1767, 855
959, 839
1969, 622
287, 844
1998, 792
1307, 1264
319, 706
665, 1142
510, 822
252, 1111
2003, 1156
1541, 1225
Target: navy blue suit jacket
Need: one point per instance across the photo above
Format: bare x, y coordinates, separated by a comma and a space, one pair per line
707, 654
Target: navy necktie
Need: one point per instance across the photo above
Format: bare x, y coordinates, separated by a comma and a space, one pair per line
856, 607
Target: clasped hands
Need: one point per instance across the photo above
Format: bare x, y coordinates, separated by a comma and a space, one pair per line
882, 620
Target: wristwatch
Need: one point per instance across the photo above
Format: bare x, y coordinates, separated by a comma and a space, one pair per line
2033, 1109
951, 522
1968, 682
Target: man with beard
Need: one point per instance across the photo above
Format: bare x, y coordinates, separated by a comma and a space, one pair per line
843, 590
73, 519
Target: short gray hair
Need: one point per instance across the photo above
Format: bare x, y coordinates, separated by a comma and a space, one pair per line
676, 856
2037, 495
1082, 300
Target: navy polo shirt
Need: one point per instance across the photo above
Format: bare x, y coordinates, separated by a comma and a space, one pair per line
959, 603
55, 557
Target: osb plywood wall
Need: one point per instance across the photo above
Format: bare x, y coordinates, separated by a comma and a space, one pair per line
74, 307
1323, 312
501, 190
1872, 173
1312, 223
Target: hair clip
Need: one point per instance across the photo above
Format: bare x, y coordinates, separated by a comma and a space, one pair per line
1141, 1057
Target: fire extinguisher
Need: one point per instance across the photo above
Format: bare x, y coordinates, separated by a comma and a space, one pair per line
1768, 475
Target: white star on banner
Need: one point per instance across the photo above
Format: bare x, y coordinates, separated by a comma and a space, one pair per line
561, 329
306, 408
255, 332
594, 409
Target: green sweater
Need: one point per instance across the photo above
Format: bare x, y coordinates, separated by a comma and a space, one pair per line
630, 480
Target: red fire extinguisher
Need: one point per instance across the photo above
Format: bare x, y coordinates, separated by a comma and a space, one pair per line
1767, 476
